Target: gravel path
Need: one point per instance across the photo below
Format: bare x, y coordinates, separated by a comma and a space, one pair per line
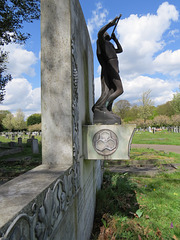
165, 148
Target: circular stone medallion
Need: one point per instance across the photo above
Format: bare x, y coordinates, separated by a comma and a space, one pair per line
105, 142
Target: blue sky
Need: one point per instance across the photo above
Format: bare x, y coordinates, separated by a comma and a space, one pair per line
149, 32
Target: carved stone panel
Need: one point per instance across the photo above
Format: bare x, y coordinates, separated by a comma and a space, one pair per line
75, 108
43, 219
105, 142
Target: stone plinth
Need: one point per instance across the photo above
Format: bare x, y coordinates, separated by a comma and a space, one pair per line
107, 142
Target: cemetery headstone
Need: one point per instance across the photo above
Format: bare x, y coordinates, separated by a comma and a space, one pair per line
12, 144
35, 147
13, 137
20, 141
149, 129
29, 142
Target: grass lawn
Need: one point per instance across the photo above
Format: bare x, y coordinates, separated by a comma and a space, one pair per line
138, 207
24, 139
13, 165
151, 154
163, 137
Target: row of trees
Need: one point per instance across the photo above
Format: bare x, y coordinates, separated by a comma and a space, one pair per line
147, 114
158, 121
10, 122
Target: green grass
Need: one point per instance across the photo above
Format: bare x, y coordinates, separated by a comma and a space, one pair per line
151, 154
138, 208
24, 139
163, 137
13, 165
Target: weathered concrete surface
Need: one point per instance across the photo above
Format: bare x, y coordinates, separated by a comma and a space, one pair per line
56, 82
121, 145
18, 193
57, 200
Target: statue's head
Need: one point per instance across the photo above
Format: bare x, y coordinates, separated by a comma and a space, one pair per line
106, 36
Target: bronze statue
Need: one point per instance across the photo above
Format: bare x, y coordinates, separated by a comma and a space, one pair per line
111, 85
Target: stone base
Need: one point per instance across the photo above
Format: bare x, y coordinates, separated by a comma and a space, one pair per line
107, 142
105, 117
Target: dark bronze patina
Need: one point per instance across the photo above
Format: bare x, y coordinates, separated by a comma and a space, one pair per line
111, 85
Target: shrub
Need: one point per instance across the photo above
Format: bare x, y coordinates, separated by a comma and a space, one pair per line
35, 127
34, 119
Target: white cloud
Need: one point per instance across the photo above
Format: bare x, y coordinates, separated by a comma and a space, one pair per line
168, 62
174, 32
143, 42
20, 95
20, 60
161, 90
97, 86
97, 20
142, 38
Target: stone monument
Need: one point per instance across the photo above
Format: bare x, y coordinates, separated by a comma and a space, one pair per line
56, 200
107, 139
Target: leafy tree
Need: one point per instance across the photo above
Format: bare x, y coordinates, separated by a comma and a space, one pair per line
161, 121
146, 107
132, 114
153, 113
140, 123
35, 127
176, 120
34, 119
3, 114
165, 109
176, 102
121, 108
4, 78
7, 122
12, 15
18, 121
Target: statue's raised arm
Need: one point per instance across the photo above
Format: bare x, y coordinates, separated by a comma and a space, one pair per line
107, 26
119, 47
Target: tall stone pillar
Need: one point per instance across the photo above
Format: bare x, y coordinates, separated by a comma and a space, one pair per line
56, 80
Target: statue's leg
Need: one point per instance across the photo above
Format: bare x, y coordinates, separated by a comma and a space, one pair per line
116, 93
101, 114
115, 81
101, 102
